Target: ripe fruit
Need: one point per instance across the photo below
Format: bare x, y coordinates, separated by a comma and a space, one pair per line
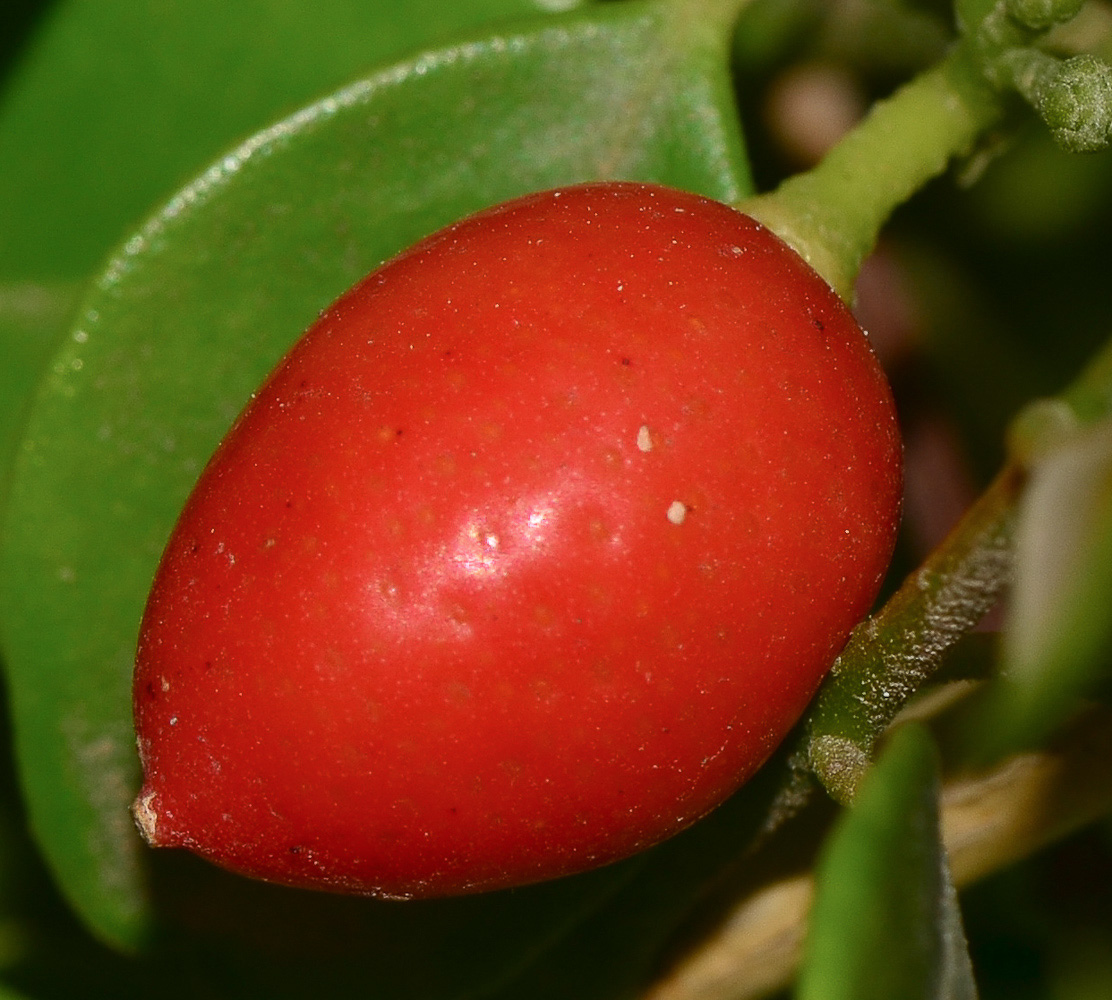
525, 557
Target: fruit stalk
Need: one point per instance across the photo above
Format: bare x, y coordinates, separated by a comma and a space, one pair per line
832, 213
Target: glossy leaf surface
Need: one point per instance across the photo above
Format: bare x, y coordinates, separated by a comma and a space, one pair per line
200, 303
885, 921
30, 315
116, 103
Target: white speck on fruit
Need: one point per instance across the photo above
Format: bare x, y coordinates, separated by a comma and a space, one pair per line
717, 753
644, 438
676, 512
146, 817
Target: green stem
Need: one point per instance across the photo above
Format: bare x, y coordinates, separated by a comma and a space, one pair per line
715, 21
889, 657
832, 214
892, 654
721, 15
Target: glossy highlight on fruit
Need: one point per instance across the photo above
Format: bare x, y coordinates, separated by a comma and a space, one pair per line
524, 558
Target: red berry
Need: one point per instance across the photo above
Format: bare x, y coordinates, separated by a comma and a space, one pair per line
526, 556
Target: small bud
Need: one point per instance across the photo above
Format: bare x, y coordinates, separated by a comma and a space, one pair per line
1039, 15
1078, 104
1073, 96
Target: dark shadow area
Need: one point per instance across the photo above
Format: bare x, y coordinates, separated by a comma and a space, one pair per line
18, 19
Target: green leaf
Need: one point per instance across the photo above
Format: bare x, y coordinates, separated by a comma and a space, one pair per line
30, 314
118, 102
1058, 639
885, 921
200, 303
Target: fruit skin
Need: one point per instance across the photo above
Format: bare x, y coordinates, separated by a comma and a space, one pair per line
524, 558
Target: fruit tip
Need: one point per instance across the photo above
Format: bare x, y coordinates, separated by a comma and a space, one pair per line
145, 814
